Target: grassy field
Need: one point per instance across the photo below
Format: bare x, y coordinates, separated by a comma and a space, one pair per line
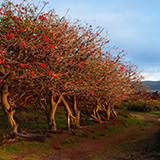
120, 134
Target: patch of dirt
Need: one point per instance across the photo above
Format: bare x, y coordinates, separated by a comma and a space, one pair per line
103, 147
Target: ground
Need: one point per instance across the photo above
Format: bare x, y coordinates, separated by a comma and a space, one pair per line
126, 138
105, 148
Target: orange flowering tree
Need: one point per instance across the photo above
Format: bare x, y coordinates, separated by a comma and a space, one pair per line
47, 59
111, 80
41, 53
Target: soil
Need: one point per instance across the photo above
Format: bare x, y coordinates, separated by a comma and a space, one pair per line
133, 147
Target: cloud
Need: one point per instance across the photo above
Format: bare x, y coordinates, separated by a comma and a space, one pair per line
151, 76
151, 73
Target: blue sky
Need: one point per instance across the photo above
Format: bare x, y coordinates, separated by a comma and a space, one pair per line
132, 25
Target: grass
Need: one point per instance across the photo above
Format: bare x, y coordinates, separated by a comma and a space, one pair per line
154, 113
20, 149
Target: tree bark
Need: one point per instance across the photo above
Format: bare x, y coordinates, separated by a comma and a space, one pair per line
13, 126
70, 117
37, 137
52, 111
108, 111
53, 108
114, 112
77, 113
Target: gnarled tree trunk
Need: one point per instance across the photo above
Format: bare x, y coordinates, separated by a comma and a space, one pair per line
53, 108
108, 111
70, 117
52, 111
13, 126
77, 113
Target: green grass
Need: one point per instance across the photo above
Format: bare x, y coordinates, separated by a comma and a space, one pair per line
154, 113
34, 122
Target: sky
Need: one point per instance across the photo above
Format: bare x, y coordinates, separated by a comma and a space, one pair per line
132, 25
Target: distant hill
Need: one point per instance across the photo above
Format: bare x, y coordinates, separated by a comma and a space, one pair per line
153, 85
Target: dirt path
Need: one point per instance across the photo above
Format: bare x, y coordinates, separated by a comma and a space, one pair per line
103, 148
147, 117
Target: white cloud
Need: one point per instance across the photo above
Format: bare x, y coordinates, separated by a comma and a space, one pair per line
151, 76
151, 73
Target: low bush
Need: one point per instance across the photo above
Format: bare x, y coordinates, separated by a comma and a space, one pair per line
140, 106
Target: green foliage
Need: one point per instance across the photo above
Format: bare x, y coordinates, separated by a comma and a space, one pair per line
140, 106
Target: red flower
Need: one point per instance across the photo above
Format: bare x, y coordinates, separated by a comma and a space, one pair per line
49, 73
122, 50
114, 92
8, 66
65, 87
92, 91
88, 77
32, 73
79, 66
54, 76
70, 83
22, 65
53, 46
1, 80
24, 44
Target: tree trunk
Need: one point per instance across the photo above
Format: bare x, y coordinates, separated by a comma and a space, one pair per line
114, 112
77, 113
37, 137
108, 111
70, 117
13, 126
53, 108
